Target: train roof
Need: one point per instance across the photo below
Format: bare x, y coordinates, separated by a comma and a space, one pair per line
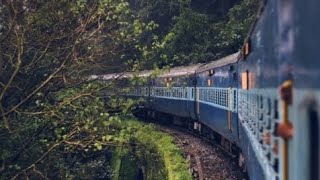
172, 72
181, 71
176, 71
233, 58
111, 76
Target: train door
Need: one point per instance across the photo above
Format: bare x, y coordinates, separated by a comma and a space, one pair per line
197, 95
304, 148
191, 106
299, 52
232, 97
313, 123
232, 116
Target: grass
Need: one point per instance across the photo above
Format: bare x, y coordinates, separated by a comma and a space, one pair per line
147, 136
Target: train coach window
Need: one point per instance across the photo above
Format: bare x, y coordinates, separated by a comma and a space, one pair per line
275, 109
168, 81
246, 48
261, 101
193, 81
209, 82
231, 68
234, 99
211, 72
192, 93
268, 106
245, 80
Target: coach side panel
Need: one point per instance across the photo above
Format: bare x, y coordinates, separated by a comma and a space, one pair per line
216, 101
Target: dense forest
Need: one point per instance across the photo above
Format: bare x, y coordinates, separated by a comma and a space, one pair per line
54, 122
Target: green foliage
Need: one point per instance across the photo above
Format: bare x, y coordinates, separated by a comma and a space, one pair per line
147, 136
68, 123
47, 50
116, 162
233, 31
52, 118
56, 44
189, 39
196, 36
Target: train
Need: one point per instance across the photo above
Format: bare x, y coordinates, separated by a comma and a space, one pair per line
263, 100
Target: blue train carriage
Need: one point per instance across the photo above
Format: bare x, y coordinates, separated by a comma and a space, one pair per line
173, 92
279, 92
117, 82
300, 96
259, 98
216, 96
139, 84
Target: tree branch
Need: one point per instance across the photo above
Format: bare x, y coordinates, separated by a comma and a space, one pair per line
17, 65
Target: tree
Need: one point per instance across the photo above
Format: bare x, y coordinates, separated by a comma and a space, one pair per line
46, 49
235, 29
199, 34
189, 39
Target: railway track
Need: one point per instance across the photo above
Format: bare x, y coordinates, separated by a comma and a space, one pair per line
208, 160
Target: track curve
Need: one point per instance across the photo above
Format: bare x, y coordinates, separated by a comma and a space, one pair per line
208, 160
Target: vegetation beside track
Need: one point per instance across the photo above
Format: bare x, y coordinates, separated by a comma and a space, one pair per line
152, 149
